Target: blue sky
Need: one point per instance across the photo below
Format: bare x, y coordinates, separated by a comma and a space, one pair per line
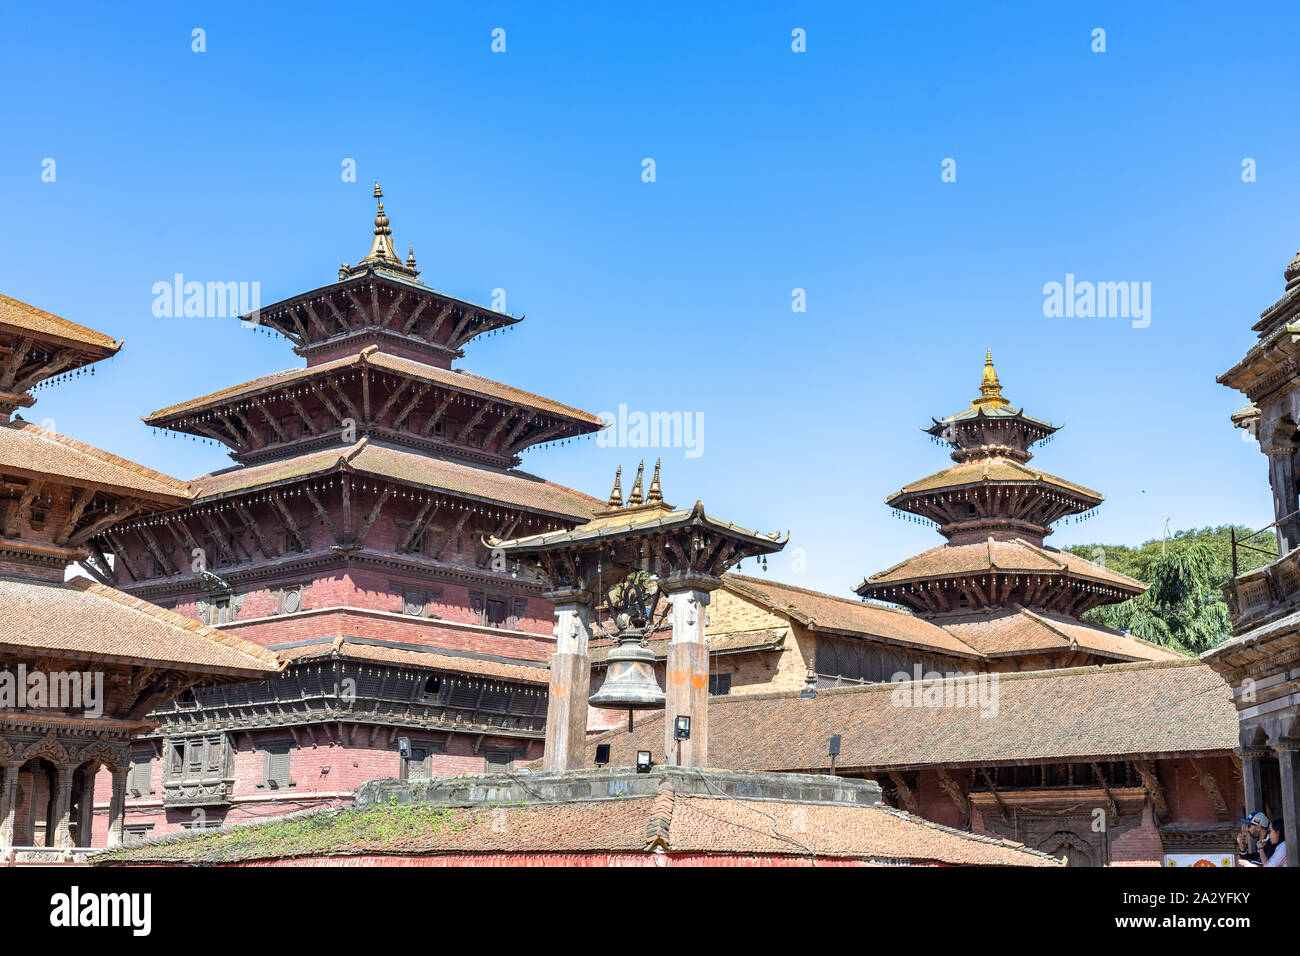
775, 170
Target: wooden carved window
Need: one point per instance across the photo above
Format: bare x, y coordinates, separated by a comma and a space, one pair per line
139, 783
498, 761
275, 765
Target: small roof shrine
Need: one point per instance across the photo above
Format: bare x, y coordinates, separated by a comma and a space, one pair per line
625, 559
995, 510
642, 534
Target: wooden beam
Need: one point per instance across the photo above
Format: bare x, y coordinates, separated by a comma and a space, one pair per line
957, 795
417, 526
74, 515
307, 419
414, 316
436, 417
255, 530
1151, 783
370, 518
19, 511
275, 425
324, 515
905, 795
460, 524
289, 524
410, 404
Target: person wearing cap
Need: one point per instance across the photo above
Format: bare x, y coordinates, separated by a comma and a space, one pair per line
1277, 844
1251, 839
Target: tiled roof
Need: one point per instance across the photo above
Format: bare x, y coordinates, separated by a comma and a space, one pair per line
991, 469
992, 555
678, 823
516, 488
415, 657
371, 356
1021, 631
826, 612
732, 642
84, 620
1141, 710
28, 318
39, 452
642, 519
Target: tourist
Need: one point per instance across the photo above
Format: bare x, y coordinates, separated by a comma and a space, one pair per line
1276, 844
1249, 840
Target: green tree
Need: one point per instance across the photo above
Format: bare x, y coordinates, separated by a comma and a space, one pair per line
1183, 608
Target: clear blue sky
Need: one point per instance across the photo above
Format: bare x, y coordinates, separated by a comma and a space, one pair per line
775, 170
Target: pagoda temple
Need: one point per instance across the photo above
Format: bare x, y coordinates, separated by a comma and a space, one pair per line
349, 537
81, 663
995, 585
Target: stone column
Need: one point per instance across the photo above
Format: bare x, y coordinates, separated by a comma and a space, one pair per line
1281, 475
1251, 780
117, 805
62, 808
687, 687
8, 797
1288, 758
566, 708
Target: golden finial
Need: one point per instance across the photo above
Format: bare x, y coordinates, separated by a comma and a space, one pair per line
616, 496
410, 258
990, 388
634, 496
656, 491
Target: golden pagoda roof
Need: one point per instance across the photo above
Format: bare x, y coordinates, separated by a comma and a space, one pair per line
991, 403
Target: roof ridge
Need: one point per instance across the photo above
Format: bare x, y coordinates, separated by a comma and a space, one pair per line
1048, 673
659, 825
964, 834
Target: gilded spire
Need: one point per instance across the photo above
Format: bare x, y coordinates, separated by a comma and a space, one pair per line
383, 254
634, 496
656, 494
616, 496
990, 387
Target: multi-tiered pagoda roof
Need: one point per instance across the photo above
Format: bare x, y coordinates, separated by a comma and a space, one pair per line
995, 509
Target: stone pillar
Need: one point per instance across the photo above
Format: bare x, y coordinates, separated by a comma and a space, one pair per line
1251, 780
62, 808
1288, 758
687, 687
8, 797
1281, 475
117, 805
566, 708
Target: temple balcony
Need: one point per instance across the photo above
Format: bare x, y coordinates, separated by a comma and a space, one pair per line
1265, 593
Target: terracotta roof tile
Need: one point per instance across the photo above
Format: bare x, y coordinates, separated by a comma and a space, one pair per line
37, 451
827, 612
458, 380
28, 318
1021, 631
992, 555
994, 469
678, 823
85, 620
1148, 708
516, 488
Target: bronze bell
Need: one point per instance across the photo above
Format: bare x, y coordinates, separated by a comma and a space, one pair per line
630, 682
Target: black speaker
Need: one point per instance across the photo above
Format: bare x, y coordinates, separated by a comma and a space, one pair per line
602, 754
835, 745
